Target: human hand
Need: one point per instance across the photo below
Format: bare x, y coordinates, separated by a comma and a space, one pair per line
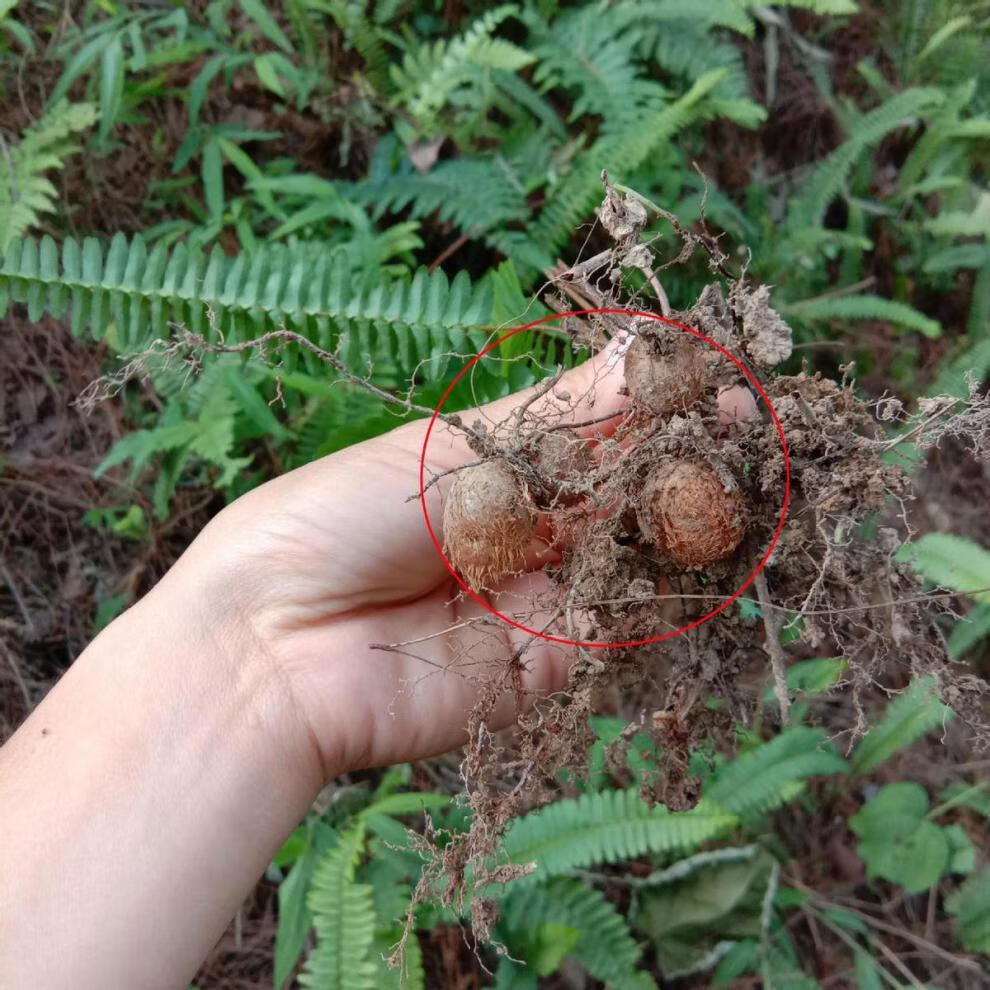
316, 566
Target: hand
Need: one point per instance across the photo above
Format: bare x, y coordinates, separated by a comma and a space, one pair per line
329, 559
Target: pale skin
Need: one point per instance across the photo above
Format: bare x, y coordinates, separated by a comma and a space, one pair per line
143, 798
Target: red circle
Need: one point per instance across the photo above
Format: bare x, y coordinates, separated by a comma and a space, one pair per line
636, 642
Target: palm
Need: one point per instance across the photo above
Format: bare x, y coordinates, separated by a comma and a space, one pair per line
341, 564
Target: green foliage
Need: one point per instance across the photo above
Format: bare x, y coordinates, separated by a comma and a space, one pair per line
765, 777
811, 677
695, 911
604, 828
950, 562
308, 290
909, 716
433, 74
859, 307
344, 919
970, 906
899, 842
25, 192
600, 942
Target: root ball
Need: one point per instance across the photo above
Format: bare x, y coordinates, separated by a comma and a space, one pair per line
664, 384
487, 523
561, 461
687, 512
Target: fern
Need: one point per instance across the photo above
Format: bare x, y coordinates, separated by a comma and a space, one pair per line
344, 919
909, 716
431, 72
604, 947
573, 199
970, 907
474, 194
604, 828
25, 192
808, 208
950, 561
864, 307
764, 777
314, 292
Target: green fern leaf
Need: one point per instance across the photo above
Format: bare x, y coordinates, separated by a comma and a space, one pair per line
430, 73
312, 292
604, 828
604, 948
573, 199
764, 777
912, 714
808, 208
970, 907
25, 193
950, 561
474, 194
344, 919
865, 307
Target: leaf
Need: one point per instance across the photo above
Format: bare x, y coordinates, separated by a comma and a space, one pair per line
344, 919
252, 404
867, 975
909, 716
603, 946
212, 172
759, 779
976, 797
604, 828
969, 630
970, 905
897, 841
951, 562
697, 909
111, 85
294, 917
814, 676
258, 12
962, 852
864, 307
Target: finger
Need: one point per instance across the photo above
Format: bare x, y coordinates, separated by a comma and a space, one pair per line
588, 397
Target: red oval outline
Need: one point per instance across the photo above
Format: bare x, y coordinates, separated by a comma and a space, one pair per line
636, 642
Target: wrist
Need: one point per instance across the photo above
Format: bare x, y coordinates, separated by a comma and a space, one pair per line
213, 641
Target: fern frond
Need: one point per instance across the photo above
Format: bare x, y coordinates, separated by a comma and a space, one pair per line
474, 194
573, 199
605, 947
764, 777
365, 37
864, 307
808, 207
344, 919
25, 193
912, 714
604, 828
309, 290
430, 73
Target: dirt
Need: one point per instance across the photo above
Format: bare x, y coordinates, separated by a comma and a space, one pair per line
55, 569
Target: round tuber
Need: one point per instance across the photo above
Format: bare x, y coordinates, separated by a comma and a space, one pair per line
687, 512
664, 384
562, 462
487, 523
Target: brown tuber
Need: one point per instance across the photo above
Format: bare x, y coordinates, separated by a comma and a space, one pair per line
664, 384
562, 462
687, 512
487, 523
